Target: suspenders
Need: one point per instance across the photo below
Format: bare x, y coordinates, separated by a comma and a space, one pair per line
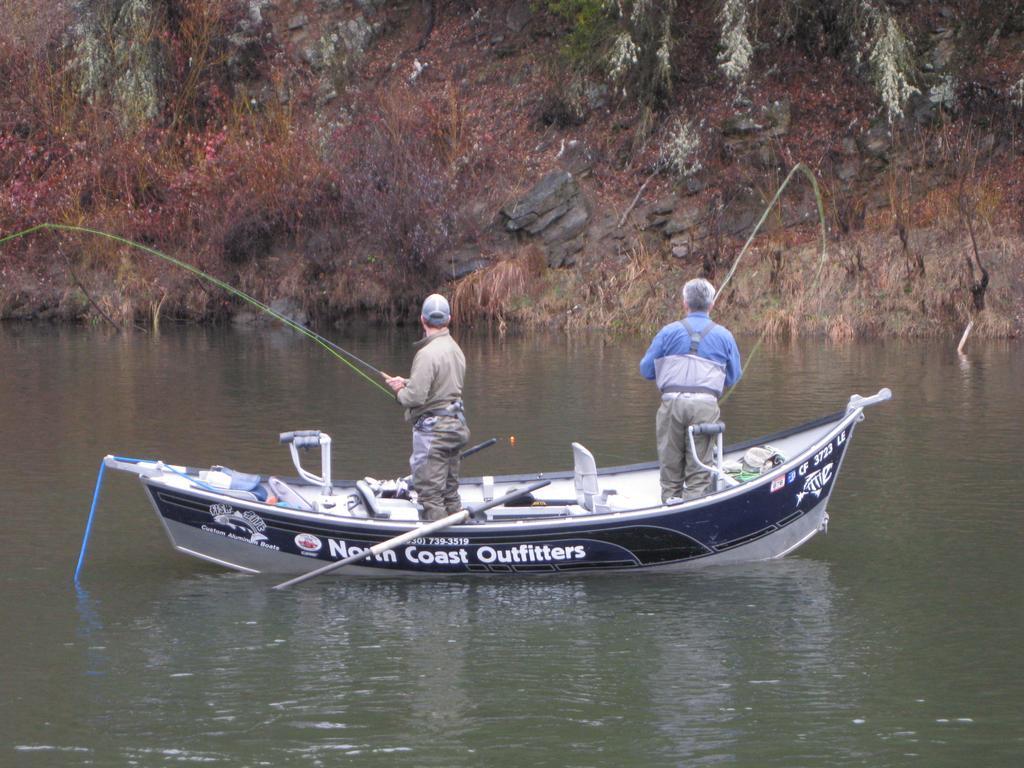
696, 336
688, 372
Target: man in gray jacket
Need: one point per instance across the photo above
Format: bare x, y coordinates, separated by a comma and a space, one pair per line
432, 396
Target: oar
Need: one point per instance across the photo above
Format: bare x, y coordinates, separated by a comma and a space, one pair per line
480, 447
423, 530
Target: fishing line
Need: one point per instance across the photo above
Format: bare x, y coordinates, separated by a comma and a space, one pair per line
345, 356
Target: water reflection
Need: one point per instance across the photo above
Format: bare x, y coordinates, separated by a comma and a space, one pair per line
677, 664
90, 630
896, 634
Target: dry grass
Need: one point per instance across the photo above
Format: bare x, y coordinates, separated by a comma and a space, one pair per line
500, 292
839, 329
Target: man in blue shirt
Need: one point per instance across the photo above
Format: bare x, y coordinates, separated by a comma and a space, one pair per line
693, 361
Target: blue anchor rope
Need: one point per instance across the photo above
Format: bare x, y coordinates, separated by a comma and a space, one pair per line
92, 509
96, 497
92, 514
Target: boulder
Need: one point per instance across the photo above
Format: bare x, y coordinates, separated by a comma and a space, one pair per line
596, 95
741, 213
681, 248
114, 51
336, 53
463, 261
747, 137
876, 142
518, 15
538, 225
766, 122
551, 192
683, 219
555, 211
568, 226
575, 157
663, 205
563, 254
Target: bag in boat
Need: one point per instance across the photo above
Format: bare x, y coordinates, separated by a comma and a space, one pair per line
760, 459
755, 462
230, 480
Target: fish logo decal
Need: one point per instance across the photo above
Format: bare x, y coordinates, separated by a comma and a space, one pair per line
815, 483
241, 522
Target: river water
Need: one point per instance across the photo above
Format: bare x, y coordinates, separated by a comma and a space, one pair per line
894, 640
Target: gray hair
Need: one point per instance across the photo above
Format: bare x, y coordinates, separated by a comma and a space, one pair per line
699, 294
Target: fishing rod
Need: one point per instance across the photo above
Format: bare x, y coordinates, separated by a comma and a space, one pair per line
821, 263
778, 193
342, 354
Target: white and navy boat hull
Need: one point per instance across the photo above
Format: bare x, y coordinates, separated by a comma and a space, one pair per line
761, 519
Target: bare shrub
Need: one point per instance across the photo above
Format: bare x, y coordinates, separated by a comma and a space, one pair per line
393, 188
199, 51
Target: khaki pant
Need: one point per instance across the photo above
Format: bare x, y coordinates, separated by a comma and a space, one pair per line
677, 465
437, 443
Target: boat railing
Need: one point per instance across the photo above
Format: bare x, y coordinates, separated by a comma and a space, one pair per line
856, 401
716, 428
310, 438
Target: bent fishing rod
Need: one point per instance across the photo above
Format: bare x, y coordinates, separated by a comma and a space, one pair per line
339, 352
817, 274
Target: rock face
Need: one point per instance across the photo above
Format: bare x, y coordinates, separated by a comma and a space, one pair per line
114, 52
463, 261
334, 43
747, 137
119, 49
684, 222
555, 212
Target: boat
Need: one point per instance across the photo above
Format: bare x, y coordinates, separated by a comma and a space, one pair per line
581, 520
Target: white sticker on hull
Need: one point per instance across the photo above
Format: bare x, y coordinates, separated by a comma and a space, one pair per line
307, 542
241, 523
815, 483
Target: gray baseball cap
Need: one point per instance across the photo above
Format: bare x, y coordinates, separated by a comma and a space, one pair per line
436, 312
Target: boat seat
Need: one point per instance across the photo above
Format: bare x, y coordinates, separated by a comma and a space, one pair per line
368, 498
243, 495
588, 493
287, 495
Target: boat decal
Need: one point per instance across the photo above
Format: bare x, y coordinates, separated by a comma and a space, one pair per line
815, 482
530, 553
339, 549
242, 524
778, 483
308, 544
